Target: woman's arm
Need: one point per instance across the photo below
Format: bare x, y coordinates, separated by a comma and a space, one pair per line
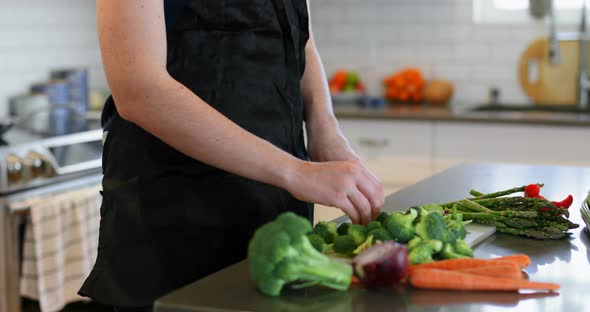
325, 140
133, 43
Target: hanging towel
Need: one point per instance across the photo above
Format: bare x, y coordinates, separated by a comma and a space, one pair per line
61, 239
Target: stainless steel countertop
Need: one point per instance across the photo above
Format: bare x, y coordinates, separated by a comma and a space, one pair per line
441, 114
566, 261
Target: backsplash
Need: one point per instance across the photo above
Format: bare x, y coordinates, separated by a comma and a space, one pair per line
378, 37
39, 35
374, 37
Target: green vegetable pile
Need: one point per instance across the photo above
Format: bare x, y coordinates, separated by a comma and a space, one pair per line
428, 232
534, 217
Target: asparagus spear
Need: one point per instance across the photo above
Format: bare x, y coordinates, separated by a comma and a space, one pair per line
494, 194
475, 193
538, 233
475, 207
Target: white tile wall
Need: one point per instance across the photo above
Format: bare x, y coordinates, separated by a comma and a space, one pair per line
437, 36
39, 35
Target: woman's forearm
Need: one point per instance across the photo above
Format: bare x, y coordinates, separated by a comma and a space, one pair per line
315, 91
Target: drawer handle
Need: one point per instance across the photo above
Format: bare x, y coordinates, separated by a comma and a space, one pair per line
373, 143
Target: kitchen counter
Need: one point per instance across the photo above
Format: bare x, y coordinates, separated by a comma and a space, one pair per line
565, 261
463, 115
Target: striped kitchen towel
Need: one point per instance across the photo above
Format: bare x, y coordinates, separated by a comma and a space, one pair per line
60, 245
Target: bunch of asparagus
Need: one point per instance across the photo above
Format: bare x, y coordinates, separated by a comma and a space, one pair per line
528, 216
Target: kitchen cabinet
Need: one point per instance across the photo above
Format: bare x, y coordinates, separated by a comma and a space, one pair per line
469, 142
398, 153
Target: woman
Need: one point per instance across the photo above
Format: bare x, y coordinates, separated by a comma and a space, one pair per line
205, 142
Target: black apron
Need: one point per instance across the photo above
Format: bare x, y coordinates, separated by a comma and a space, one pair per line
166, 219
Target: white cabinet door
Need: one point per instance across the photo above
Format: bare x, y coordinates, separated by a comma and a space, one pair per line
398, 153
458, 142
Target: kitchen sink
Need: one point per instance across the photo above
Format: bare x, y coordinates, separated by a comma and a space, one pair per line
531, 108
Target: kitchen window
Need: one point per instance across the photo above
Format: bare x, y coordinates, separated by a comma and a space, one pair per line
517, 11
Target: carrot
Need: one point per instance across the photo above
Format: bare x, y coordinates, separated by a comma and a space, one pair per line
453, 280
520, 260
355, 280
499, 269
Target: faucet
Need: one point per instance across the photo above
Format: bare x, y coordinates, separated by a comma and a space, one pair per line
554, 54
583, 78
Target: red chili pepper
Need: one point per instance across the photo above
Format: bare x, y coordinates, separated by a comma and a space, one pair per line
566, 203
532, 190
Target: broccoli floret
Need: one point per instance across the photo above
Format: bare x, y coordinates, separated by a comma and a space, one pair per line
357, 231
280, 253
326, 230
320, 244
344, 244
462, 247
455, 223
380, 234
373, 225
432, 208
343, 228
433, 226
449, 252
414, 242
382, 216
316, 241
423, 251
400, 225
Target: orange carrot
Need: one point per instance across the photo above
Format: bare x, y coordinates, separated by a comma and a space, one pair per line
453, 280
499, 269
454, 264
355, 280
521, 260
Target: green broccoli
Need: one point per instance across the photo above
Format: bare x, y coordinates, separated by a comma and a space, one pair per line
380, 234
414, 242
455, 223
373, 225
432, 208
343, 228
280, 253
462, 247
382, 216
448, 252
424, 250
319, 243
400, 225
344, 244
327, 230
433, 226
357, 231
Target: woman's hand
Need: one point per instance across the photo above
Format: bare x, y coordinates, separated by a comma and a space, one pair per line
343, 184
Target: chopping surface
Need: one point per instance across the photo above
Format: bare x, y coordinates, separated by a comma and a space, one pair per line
563, 261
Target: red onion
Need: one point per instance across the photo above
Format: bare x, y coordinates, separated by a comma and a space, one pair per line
383, 264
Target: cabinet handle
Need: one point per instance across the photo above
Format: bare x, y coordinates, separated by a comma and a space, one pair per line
373, 143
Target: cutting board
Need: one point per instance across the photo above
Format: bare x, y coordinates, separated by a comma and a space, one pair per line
476, 233
546, 83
